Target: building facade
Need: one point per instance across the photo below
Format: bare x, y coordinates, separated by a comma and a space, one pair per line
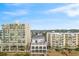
15, 37
38, 46
0, 39
63, 40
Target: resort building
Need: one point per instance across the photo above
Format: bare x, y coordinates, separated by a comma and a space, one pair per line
0, 39
63, 39
15, 37
38, 45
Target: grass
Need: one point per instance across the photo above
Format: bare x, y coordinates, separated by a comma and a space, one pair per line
50, 52
63, 52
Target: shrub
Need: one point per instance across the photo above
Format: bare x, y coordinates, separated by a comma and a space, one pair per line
3, 54
57, 50
27, 54
17, 54
77, 49
22, 54
49, 47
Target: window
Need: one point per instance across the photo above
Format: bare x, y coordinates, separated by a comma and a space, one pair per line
44, 50
23, 41
11, 38
40, 47
19, 41
32, 50
11, 34
44, 47
36, 47
40, 50
36, 50
0, 34
32, 47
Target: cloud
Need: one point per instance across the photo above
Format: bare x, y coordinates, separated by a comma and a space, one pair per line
16, 13
13, 4
70, 10
17, 21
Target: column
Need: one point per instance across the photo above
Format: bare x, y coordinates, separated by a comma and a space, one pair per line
25, 48
51, 40
64, 42
47, 37
1, 48
17, 47
9, 48
77, 40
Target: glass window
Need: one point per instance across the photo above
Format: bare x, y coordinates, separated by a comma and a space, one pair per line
36, 47
44, 47
36, 50
32, 50
40, 47
44, 50
32, 47
40, 50
0, 34
19, 41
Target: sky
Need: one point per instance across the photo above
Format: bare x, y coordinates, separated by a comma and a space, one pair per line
41, 16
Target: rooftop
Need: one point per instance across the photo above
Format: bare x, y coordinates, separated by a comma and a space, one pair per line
38, 39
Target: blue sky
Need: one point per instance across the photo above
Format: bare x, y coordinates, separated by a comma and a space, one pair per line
41, 15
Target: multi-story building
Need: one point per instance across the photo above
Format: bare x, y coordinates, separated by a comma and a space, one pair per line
0, 39
63, 39
38, 45
15, 37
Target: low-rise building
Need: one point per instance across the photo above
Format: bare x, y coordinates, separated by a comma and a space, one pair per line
0, 39
63, 39
38, 46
